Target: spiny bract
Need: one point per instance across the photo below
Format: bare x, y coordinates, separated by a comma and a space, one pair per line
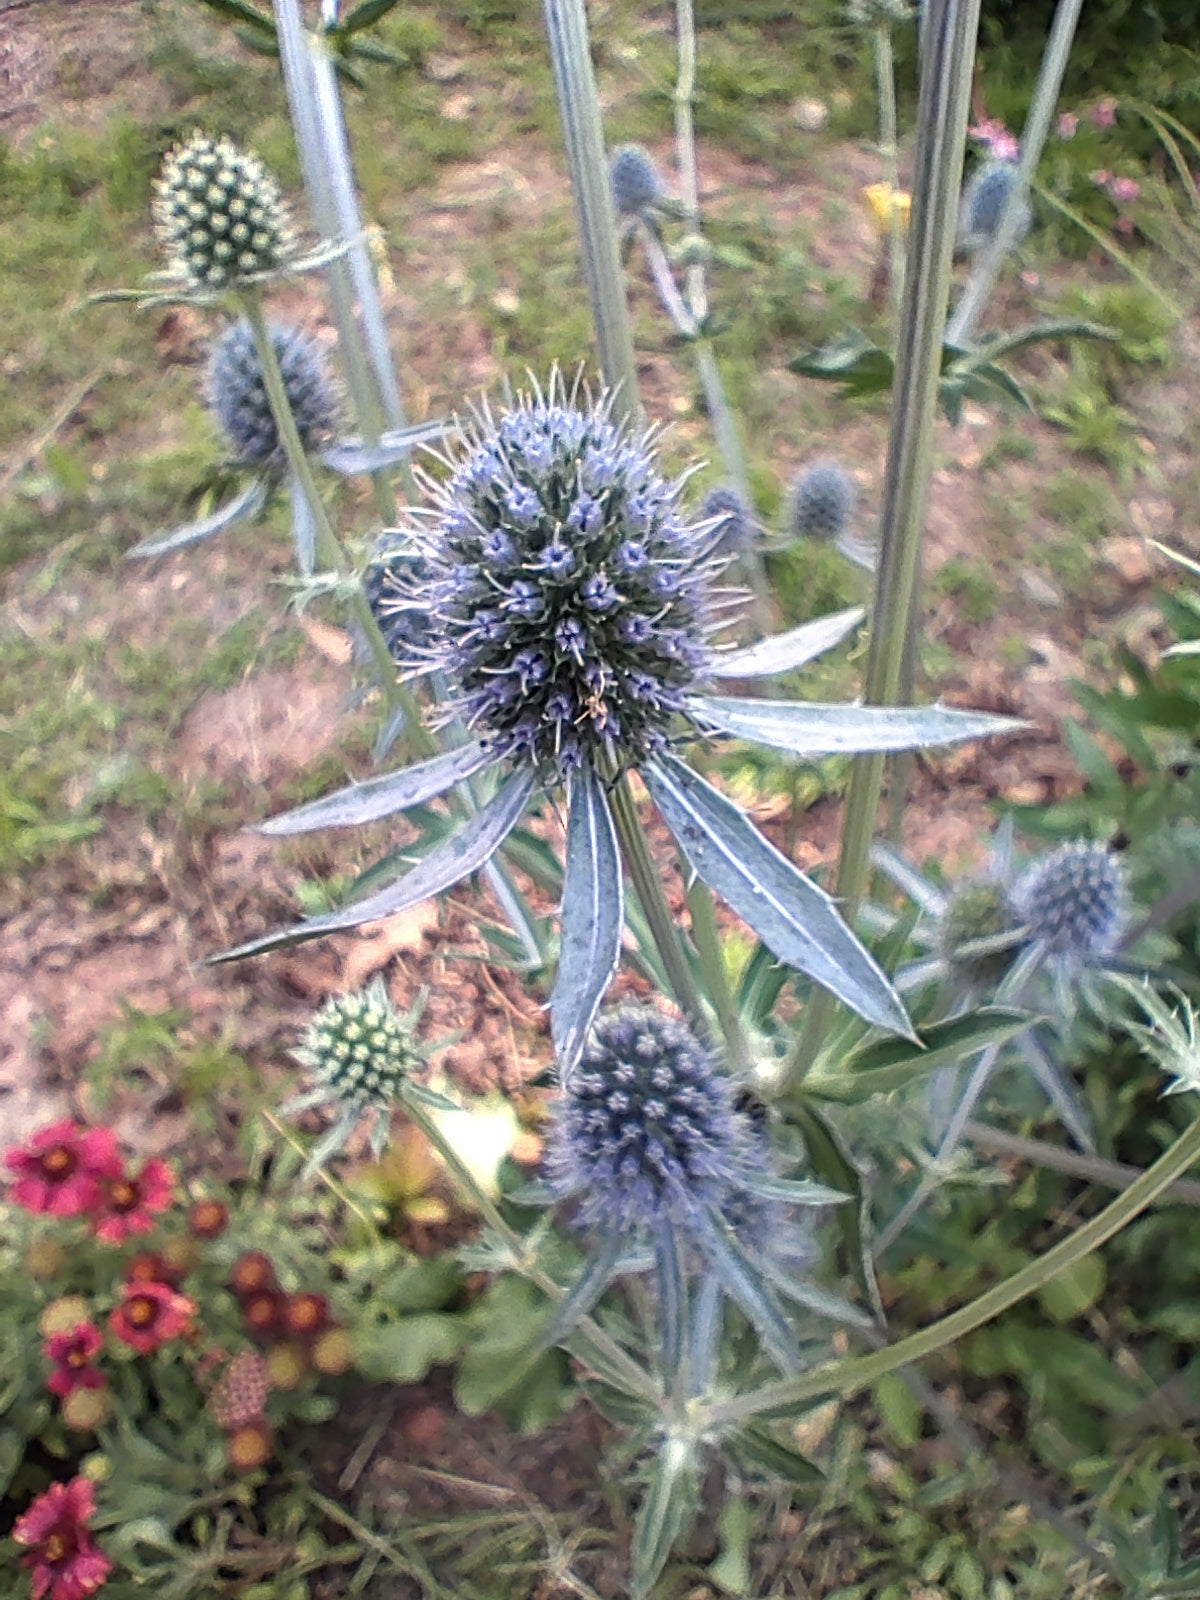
239, 394
1073, 902
822, 502
391, 576
978, 911
219, 214
636, 184
566, 588
983, 202
736, 533
359, 1048
646, 1126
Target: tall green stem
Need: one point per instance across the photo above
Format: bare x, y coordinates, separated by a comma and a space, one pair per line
947, 61
328, 546
889, 151
587, 158
847, 1377
711, 956
658, 913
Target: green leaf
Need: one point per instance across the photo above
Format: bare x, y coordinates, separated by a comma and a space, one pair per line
246, 504
666, 1512
364, 15
756, 1452
1072, 1292
900, 1409
404, 1350
888, 1064
241, 11
830, 1162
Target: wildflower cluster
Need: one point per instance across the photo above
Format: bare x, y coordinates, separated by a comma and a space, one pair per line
567, 588
66, 1561
219, 215
69, 1171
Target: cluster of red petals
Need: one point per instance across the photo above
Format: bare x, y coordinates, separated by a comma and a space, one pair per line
150, 1315
66, 1561
63, 1170
130, 1201
73, 1355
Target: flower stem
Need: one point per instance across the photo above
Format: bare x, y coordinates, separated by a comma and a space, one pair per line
847, 1377
658, 913
328, 546
711, 956
618, 1362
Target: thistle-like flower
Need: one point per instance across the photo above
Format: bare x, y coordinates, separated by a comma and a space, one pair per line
362, 1052
394, 572
737, 527
982, 205
219, 215
1074, 903
978, 933
571, 609
822, 502
647, 1144
637, 185
239, 394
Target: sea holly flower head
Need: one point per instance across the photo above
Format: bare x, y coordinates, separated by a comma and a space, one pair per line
1074, 903
823, 502
131, 1201
637, 185
395, 573
362, 1053
151, 1315
567, 588
239, 393
66, 1562
219, 215
983, 201
62, 1169
73, 1356
736, 521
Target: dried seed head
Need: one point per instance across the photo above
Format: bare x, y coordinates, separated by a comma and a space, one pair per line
252, 1273
240, 1394
636, 184
333, 1352
360, 1049
567, 589
1073, 902
239, 394
646, 1126
822, 502
219, 215
85, 1410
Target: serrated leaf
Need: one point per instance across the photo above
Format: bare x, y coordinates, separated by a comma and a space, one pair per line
456, 858
804, 729
790, 914
246, 504
784, 651
593, 918
383, 796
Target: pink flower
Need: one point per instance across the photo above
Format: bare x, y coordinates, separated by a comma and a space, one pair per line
73, 1354
150, 1315
129, 1201
1124, 190
1104, 112
1001, 144
1068, 125
61, 1169
67, 1563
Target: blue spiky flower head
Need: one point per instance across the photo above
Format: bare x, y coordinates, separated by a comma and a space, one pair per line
567, 589
394, 574
822, 502
219, 215
736, 531
983, 202
1073, 902
636, 184
646, 1126
239, 393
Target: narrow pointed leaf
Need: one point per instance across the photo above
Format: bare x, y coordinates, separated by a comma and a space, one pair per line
821, 730
240, 11
830, 1159
593, 915
757, 1453
381, 797
666, 1513
783, 651
746, 1285
598, 1272
304, 528
364, 15
790, 914
672, 1298
452, 860
352, 455
1058, 1089
889, 1064
246, 504
796, 1191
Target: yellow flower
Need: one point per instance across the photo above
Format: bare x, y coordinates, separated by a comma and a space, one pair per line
887, 203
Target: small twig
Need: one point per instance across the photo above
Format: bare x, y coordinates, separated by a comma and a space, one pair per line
357, 1463
1112, 1174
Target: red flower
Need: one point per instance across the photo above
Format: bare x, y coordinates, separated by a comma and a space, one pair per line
151, 1267
151, 1314
73, 1354
62, 1168
129, 1201
67, 1563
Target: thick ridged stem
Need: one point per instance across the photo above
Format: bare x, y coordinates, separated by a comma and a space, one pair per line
849, 1377
587, 159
